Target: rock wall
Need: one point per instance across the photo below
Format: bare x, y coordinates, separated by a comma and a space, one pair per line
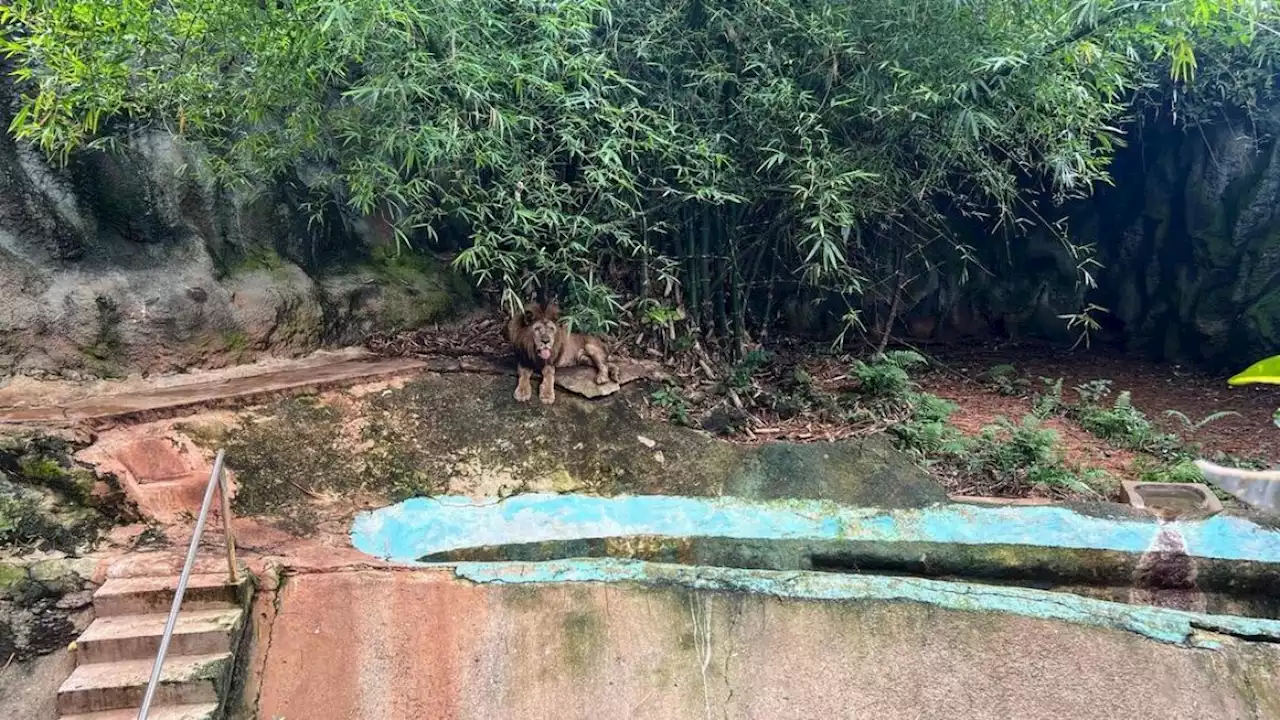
53, 511
1190, 240
1189, 244
134, 260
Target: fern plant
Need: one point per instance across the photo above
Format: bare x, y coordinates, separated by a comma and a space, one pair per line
1196, 426
1026, 453
887, 377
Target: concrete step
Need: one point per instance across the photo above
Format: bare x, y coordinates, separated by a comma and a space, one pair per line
149, 595
203, 711
185, 679
137, 637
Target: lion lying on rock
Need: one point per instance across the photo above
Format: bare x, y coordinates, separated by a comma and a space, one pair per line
542, 344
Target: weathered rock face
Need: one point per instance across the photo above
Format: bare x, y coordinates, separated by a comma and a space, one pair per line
51, 513
1190, 240
135, 260
43, 600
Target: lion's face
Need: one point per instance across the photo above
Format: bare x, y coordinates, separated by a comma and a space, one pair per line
544, 336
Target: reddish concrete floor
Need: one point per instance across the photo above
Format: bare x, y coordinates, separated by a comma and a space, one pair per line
152, 401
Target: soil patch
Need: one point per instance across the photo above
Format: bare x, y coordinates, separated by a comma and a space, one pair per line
1155, 388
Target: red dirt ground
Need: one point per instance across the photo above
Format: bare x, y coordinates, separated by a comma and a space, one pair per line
1155, 388
979, 407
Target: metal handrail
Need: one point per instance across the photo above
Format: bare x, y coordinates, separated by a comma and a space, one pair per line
216, 478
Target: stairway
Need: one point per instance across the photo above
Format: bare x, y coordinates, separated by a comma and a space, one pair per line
115, 654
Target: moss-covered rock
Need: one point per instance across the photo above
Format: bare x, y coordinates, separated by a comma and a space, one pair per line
42, 601
47, 499
51, 508
1262, 319
288, 456
465, 435
12, 575
391, 292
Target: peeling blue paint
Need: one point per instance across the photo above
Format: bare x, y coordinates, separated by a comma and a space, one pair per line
1169, 626
422, 526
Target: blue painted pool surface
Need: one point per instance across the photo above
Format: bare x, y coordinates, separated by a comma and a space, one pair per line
421, 526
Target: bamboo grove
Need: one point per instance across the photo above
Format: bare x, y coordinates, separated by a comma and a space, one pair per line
710, 160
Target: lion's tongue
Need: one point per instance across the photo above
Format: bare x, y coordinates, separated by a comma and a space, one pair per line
545, 353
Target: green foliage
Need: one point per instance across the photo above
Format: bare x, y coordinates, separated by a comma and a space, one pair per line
709, 153
1177, 471
1195, 426
1093, 391
1123, 424
671, 398
1025, 453
741, 375
886, 379
1048, 402
928, 433
1007, 455
1119, 422
1005, 380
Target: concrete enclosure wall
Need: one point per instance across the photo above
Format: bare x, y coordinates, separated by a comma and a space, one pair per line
424, 644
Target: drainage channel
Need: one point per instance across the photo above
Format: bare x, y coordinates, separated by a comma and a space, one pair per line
1223, 564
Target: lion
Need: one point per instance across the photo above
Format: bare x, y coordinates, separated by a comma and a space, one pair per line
542, 344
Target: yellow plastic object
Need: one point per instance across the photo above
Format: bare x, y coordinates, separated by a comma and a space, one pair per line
1263, 371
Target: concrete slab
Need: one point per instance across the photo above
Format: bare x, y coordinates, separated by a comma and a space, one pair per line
140, 401
137, 637
156, 402
379, 644
163, 471
150, 595
29, 689
185, 679
201, 711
